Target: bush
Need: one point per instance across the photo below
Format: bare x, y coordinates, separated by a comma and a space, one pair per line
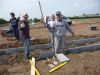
2, 21
36, 20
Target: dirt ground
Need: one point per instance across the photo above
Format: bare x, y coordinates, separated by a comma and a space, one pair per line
86, 63
80, 27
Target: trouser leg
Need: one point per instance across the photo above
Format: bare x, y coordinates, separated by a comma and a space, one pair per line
27, 48
63, 42
57, 43
16, 33
52, 40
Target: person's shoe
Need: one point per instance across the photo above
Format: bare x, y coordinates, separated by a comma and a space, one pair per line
26, 60
17, 41
53, 50
30, 57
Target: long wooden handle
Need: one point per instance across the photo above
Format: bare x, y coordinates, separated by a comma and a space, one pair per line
59, 66
37, 72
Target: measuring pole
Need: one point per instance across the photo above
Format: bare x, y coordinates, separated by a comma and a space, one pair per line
42, 18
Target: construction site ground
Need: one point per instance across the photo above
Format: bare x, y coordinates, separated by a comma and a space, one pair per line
85, 63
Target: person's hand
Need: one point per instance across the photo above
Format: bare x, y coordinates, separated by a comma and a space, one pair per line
20, 37
47, 17
73, 34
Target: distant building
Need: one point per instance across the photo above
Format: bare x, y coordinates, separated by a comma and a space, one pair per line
89, 15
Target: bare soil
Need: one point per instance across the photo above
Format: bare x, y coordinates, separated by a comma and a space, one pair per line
86, 63
80, 27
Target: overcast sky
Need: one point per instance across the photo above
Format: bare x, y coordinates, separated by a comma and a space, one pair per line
67, 7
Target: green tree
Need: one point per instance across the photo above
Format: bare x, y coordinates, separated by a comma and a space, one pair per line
35, 20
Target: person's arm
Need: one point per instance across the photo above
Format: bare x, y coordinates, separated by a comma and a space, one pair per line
20, 34
18, 19
48, 26
10, 26
46, 21
21, 27
69, 29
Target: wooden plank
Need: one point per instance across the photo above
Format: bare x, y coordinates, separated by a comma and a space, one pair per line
33, 66
57, 67
61, 57
33, 69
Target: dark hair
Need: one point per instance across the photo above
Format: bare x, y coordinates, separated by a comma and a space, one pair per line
12, 14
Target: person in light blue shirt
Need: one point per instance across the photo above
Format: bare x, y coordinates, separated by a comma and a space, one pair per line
61, 28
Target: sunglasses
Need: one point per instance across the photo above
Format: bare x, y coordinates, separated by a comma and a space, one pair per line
25, 17
58, 14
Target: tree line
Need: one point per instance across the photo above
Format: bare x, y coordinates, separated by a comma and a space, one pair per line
3, 21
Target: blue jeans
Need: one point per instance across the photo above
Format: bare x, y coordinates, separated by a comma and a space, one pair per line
27, 46
16, 32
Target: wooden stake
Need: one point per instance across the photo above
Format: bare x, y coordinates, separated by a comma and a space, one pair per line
33, 66
59, 66
33, 69
42, 18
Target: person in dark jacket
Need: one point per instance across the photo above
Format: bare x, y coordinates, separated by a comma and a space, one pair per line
25, 35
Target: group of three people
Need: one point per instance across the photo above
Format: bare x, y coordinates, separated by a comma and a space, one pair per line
58, 28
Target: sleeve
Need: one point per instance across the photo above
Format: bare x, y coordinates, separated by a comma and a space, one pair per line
10, 21
10, 24
22, 26
18, 19
48, 25
68, 27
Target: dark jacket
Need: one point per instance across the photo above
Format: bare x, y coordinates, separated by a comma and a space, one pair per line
25, 30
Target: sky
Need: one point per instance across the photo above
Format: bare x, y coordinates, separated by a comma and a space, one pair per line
67, 7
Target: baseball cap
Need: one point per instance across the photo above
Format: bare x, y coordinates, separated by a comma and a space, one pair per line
58, 13
25, 15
